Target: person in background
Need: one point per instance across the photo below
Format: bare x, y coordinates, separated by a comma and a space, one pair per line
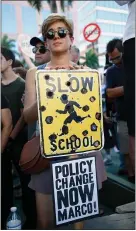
17, 63
108, 136
75, 54
58, 34
13, 87
6, 166
6, 121
107, 63
42, 54
111, 108
129, 66
20, 71
115, 81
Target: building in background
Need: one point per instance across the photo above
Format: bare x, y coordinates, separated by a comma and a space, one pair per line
18, 17
110, 17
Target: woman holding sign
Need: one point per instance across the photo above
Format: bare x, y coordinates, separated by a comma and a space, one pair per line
57, 31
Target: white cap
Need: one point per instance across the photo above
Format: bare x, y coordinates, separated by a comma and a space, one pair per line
13, 209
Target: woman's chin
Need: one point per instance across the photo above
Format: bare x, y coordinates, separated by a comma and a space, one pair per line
58, 50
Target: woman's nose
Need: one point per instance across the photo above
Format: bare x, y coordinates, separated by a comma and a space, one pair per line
56, 35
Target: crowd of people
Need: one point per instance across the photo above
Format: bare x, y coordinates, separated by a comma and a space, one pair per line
115, 117
19, 114
120, 95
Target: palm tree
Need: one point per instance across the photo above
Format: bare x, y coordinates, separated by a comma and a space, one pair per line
37, 4
53, 6
91, 59
9, 43
63, 5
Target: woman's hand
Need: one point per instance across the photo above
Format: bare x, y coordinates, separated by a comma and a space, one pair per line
76, 67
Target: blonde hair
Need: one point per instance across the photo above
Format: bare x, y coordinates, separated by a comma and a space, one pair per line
56, 18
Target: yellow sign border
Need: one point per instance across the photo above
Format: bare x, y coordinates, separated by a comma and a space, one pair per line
40, 117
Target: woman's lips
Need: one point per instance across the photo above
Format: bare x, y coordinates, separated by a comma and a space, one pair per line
57, 44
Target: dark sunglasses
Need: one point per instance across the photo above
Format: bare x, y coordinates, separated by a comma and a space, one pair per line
115, 59
41, 49
61, 33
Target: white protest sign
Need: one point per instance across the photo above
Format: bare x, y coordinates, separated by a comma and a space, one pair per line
75, 190
23, 41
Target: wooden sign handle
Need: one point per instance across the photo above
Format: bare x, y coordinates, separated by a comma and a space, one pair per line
79, 225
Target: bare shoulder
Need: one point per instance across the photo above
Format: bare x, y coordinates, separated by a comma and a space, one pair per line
30, 90
32, 71
30, 76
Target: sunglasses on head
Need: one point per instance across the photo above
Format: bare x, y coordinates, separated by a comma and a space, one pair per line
61, 33
41, 49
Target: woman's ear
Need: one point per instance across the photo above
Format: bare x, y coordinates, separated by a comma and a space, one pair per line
45, 44
72, 39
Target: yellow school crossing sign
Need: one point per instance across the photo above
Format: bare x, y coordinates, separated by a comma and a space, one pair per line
70, 111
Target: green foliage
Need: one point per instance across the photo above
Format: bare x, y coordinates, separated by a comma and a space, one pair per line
62, 4
91, 59
37, 4
53, 6
8, 43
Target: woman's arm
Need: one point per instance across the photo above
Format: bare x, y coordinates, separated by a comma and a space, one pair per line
30, 105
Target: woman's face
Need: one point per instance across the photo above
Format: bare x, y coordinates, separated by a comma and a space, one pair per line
58, 44
4, 63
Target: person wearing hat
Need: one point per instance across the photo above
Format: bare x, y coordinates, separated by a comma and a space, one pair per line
42, 55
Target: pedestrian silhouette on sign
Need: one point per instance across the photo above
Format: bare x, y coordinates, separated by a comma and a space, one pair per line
69, 108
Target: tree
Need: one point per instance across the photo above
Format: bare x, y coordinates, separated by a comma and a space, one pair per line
62, 4
91, 59
37, 4
53, 6
9, 44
